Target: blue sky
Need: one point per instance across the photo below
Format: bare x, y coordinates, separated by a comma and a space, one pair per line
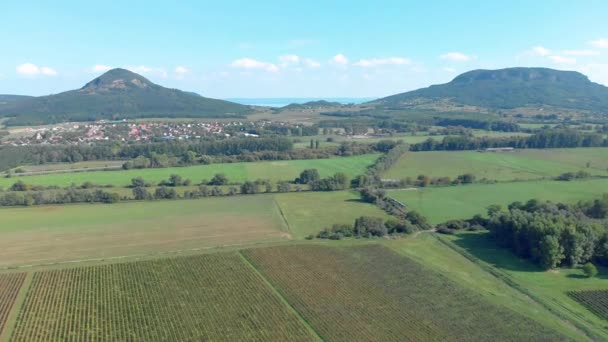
293, 48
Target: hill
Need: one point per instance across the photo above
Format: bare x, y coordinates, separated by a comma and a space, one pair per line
118, 94
312, 105
509, 89
5, 99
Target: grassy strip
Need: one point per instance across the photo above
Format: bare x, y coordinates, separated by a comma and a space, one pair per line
280, 296
513, 284
11, 322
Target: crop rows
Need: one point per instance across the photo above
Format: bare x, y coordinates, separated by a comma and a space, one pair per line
10, 284
371, 293
594, 300
209, 297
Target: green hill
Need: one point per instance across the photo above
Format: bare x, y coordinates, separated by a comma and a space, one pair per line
118, 94
312, 105
6, 99
511, 88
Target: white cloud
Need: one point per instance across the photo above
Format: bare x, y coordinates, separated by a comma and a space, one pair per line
540, 51
382, 61
48, 71
289, 59
456, 57
562, 60
581, 52
450, 70
97, 68
181, 70
311, 63
600, 43
29, 69
340, 59
252, 64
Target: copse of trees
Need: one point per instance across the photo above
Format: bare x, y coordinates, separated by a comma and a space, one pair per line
553, 234
70, 195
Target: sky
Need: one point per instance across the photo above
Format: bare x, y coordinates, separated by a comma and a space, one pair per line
253, 49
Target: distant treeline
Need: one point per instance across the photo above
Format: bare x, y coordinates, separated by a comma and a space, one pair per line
480, 124
177, 153
557, 138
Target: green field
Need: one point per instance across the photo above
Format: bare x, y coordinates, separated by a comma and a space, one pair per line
501, 166
369, 293
429, 251
550, 287
310, 213
236, 172
439, 204
49, 234
199, 298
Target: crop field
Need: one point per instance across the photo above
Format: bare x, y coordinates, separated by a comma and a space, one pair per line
308, 213
94, 164
594, 300
197, 298
48, 234
440, 204
368, 292
551, 287
237, 172
501, 166
10, 284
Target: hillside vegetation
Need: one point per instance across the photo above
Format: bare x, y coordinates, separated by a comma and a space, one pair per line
117, 94
512, 88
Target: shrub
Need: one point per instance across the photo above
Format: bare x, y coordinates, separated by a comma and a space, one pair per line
590, 270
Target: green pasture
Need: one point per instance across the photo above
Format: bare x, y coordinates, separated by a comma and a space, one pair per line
236, 172
439, 204
501, 166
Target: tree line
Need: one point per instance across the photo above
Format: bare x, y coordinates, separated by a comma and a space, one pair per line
557, 138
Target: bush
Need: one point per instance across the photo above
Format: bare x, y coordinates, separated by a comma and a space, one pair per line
590, 270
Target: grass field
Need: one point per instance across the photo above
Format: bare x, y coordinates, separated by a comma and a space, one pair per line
72, 232
72, 166
459, 202
198, 298
429, 251
521, 164
551, 287
237, 172
311, 212
369, 293
49, 234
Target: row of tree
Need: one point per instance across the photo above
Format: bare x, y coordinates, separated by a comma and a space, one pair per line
555, 138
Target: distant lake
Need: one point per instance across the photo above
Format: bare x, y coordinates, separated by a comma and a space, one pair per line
281, 102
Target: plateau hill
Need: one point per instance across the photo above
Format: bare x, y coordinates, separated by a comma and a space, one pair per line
509, 89
118, 94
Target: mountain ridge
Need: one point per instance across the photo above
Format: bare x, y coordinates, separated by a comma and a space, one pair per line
117, 94
511, 88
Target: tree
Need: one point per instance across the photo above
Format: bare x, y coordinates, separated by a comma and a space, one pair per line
219, 179
317, 144
369, 226
283, 186
175, 180
138, 182
249, 187
493, 209
312, 144
19, 186
140, 193
551, 253
590, 270
308, 176
189, 157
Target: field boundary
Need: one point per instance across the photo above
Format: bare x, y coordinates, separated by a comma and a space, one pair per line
281, 298
13, 316
505, 278
285, 221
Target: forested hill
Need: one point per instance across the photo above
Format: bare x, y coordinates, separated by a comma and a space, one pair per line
117, 94
512, 88
5, 99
